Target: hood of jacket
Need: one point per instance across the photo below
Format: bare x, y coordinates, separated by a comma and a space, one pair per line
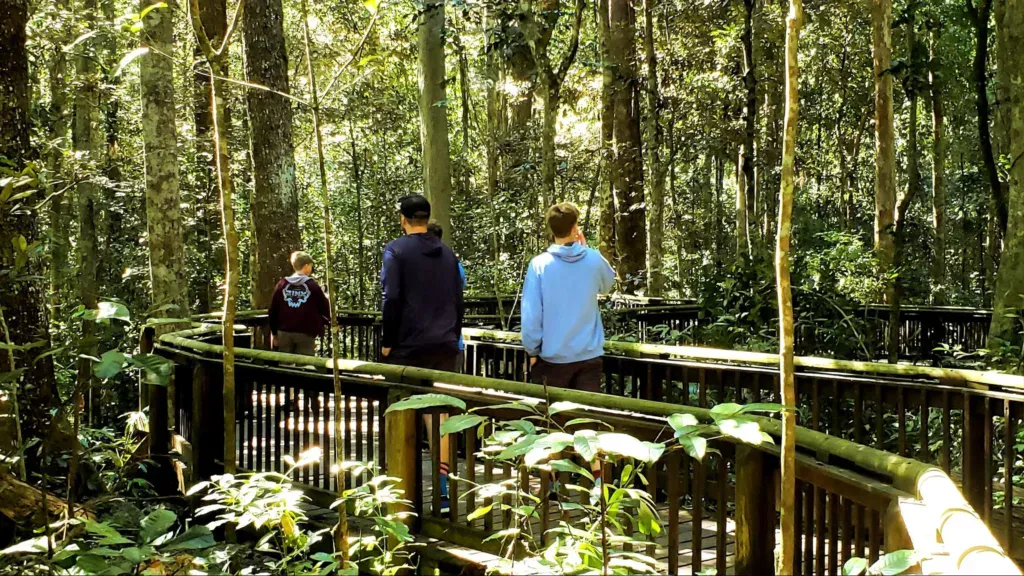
568, 252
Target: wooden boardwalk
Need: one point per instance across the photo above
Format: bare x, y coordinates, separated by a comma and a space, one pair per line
261, 448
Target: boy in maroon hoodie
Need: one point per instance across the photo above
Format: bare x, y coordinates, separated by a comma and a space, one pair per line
299, 310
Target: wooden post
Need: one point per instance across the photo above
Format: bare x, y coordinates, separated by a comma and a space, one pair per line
163, 478
207, 431
403, 457
755, 511
974, 450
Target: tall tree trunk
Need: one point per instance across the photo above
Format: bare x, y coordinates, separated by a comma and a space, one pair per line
216, 60
913, 186
885, 151
1010, 281
551, 79
628, 175
607, 196
656, 170
24, 412
159, 135
275, 207
214, 16
60, 244
980, 15
787, 553
86, 140
748, 189
938, 176
437, 171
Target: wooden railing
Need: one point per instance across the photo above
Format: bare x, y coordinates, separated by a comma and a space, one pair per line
922, 331
853, 500
972, 417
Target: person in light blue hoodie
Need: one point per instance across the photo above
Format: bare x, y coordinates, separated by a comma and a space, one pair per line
561, 322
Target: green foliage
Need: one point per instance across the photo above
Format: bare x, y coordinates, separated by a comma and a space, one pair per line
890, 564
545, 447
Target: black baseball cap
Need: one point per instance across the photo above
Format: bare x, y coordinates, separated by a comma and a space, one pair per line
414, 206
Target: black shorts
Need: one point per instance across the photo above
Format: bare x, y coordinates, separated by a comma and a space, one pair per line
585, 375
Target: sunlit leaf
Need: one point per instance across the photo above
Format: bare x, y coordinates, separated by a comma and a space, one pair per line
695, 446
460, 422
156, 523
420, 401
129, 58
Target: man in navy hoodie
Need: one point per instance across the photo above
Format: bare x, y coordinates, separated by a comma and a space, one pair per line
422, 310
422, 307
561, 322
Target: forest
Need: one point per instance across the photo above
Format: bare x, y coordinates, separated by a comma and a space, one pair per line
788, 178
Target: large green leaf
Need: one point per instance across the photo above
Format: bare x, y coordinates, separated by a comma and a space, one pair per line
682, 421
563, 406
745, 430
572, 467
725, 409
695, 446
156, 523
195, 538
585, 442
763, 407
547, 445
108, 311
109, 534
855, 566
460, 422
616, 444
897, 562
426, 401
158, 369
518, 449
33, 546
110, 365
579, 421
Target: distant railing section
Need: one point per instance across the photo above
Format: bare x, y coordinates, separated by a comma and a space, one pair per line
852, 500
962, 421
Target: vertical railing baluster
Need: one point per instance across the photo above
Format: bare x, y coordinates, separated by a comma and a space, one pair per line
858, 530
435, 466
875, 536
819, 531
924, 455
901, 421
847, 528
798, 526
815, 405
1009, 441
453, 472
471, 469
986, 508
346, 414
672, 477
722, 505
697, 513
833, 533
306, 406
947, 426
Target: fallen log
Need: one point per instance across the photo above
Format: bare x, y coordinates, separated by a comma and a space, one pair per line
20, 501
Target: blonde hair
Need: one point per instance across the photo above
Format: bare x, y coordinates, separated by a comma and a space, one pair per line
300, 260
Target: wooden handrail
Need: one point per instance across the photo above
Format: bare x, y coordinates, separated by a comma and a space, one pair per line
966, 538
948, 375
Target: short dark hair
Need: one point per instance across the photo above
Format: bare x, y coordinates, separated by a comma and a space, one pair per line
562, 217
435, 229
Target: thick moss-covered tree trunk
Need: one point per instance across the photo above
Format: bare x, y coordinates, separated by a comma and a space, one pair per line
275, 206
168, 280
627, 162
1009, 293
437, 170
22, 302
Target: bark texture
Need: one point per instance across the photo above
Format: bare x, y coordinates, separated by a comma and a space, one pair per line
160, 138
749, 181
22, 302
627, 163
980, 15
788, 513
655, 168
1009, 291
885, 148
938, 271
437, 170
214, 16
275, 198
606, 225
